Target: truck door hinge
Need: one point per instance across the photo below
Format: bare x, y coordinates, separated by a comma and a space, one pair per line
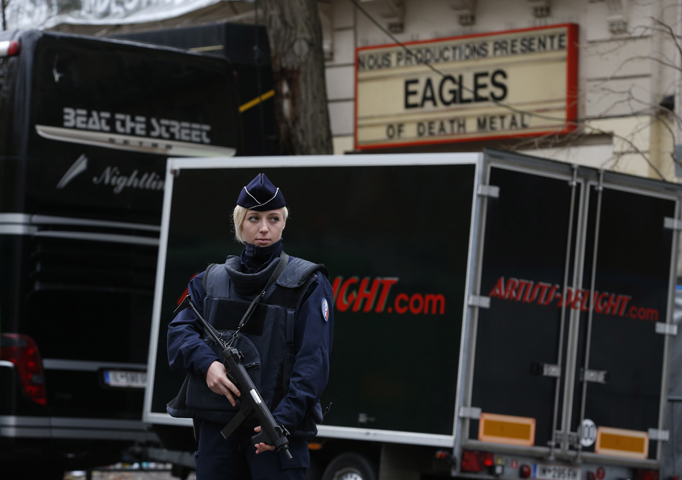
594, 376
545, 370
479, 301
660, 435
363, 418
672, 223
470, 412
560, 437
488, 191
666, 328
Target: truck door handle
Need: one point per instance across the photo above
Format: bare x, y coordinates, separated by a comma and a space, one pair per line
594, 376
545, 370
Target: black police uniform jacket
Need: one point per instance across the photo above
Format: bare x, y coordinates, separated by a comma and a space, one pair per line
286, 343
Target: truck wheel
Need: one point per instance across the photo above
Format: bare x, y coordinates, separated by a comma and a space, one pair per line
350, 466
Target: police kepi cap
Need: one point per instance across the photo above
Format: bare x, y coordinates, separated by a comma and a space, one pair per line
261, 195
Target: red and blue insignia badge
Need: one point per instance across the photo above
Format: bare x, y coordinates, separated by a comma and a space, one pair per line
325, 310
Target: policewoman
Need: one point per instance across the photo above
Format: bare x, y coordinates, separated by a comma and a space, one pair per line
286, 344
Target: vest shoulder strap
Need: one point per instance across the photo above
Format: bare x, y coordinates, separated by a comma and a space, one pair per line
294, 282
291, 319
204, 282
215, 281
298, 272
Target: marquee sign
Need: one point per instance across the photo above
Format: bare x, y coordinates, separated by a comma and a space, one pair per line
489, 86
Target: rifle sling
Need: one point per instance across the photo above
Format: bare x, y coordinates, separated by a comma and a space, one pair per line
283, 261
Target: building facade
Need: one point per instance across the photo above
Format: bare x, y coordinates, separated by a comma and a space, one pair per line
586, 81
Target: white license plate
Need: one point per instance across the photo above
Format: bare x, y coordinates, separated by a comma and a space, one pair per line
555, 472
123, 378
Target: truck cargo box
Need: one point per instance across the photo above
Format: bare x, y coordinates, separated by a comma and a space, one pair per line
493, 306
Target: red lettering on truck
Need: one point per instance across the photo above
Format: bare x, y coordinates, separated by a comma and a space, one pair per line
528, 291
374, 295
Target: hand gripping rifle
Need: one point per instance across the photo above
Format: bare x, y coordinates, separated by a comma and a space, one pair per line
250, 403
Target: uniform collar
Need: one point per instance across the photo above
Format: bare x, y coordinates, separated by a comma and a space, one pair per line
247, 284
254, 258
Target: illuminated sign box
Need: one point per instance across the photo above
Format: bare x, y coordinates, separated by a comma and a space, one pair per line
489, 86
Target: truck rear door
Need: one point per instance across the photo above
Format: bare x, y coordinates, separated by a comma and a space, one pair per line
569, 347
528, 260
622, 343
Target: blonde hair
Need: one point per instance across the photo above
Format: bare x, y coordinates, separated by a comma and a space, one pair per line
238, 216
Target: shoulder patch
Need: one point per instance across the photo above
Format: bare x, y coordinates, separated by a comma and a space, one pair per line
325, 310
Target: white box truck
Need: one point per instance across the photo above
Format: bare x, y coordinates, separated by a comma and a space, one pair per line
496, 315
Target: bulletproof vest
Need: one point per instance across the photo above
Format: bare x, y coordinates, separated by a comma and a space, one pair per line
267, 339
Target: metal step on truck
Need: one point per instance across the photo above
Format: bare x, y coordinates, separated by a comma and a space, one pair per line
496, 315
86, 126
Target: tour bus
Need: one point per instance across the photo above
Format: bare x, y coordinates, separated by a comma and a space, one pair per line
86, 127
248, 49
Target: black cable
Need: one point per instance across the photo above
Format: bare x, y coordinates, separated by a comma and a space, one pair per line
496, 102
257, 55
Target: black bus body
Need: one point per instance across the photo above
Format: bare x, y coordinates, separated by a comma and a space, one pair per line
248, 50
86, 126
496, 315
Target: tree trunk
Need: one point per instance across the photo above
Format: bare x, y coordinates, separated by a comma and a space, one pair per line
298, 66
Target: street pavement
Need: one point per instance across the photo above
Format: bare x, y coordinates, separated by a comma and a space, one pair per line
121, 472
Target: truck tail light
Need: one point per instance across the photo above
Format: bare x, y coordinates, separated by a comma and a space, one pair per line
524, 471
644, 474
9, 48
473, 461
23, 352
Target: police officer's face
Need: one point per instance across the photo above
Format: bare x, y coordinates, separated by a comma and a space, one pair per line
263, 228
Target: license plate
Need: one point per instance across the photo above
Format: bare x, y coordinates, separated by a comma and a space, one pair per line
555, 472
125, 379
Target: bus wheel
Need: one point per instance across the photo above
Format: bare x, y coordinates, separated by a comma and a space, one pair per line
350, 466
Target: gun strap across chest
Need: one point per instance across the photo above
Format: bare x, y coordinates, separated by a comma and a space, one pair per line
283, 262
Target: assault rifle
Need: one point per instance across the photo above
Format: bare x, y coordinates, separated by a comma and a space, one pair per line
250, 403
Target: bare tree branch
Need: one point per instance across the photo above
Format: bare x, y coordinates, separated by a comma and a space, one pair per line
671, 33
